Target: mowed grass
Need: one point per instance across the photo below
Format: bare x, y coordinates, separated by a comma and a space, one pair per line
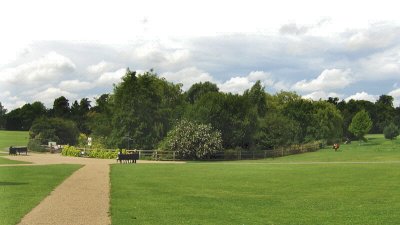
13, 138
8, 161
23, 187
258, 192
377, 149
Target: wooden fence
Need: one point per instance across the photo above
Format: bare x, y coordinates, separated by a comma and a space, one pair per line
233, 154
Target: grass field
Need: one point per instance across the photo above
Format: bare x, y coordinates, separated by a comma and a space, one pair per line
22, 188
13, 138
261, 192
7, 161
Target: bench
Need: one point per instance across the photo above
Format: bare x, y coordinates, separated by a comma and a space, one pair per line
128, 158
19, 150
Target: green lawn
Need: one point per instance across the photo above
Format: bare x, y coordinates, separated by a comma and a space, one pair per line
13, 138
22, 188
377, 149
259, 192
8, 161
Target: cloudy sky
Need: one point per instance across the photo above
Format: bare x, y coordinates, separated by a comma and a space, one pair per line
345, 49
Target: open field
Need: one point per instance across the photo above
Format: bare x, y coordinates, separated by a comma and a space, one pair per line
13, 138
262, 192
22, 188
8, 161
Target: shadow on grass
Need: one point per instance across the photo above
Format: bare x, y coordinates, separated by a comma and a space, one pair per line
12, 183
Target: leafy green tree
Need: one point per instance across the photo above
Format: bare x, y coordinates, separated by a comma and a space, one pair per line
144, 109
3, 112
385, 113
329, 122
54, 129
276, 130
193, 140
61, 107
361, 124
391, 131
231, 114
196, 91
257, 97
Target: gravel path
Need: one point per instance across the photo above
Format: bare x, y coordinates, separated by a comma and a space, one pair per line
83, 198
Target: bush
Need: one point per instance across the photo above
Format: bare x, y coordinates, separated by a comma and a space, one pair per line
193, 141
391, 131
34, 145
103, 154
70, 151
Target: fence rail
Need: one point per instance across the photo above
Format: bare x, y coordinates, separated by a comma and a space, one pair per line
230, 154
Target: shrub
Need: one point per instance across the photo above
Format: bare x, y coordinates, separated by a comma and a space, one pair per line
34, 145
103, 154
391, 131
70, 151
193, 141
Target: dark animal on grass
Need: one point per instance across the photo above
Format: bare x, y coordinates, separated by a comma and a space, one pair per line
336, 146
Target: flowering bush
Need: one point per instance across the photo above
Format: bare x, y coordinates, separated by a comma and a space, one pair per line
193, 141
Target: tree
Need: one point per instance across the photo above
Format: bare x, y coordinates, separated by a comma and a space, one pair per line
61, 107
196, 91
193, 140
361, 124
391, 131
276, 130
54, 129
3, 112
229, 113
144, 109
257, 97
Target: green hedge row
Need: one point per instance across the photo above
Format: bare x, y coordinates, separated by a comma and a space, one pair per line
93, 153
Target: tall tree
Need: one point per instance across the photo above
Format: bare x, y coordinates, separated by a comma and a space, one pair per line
61, 107
361, 124
145, 107
257, 97
3, 112
196, 91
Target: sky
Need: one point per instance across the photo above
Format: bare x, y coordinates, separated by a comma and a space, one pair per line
319, 49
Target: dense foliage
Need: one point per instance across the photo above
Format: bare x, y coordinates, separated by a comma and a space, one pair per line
54, 129
144, 107
391, 131
193, 140
361, 124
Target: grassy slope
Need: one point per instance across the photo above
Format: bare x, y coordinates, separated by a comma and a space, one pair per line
376, 149
22, 188
262, 193
13, 138
7, 161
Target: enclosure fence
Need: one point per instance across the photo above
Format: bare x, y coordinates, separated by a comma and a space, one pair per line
229, 154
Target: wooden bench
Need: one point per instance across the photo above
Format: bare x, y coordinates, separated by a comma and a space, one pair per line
128, 158
19, 150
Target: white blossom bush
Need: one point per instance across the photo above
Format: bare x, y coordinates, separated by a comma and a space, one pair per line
193, 141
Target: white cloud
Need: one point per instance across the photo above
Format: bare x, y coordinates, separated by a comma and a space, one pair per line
44, 69
377, 36
110, 78
329, 79
100, 67
188, 77
362, 96
381, 66
317, 95
75, 85
50, 94
236, 85
396, 95
241, 83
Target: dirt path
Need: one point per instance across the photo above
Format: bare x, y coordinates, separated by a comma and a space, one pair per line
83, 198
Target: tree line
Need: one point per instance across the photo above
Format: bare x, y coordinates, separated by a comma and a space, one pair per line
144, 108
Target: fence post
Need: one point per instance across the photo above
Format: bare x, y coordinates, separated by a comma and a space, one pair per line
173, 155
